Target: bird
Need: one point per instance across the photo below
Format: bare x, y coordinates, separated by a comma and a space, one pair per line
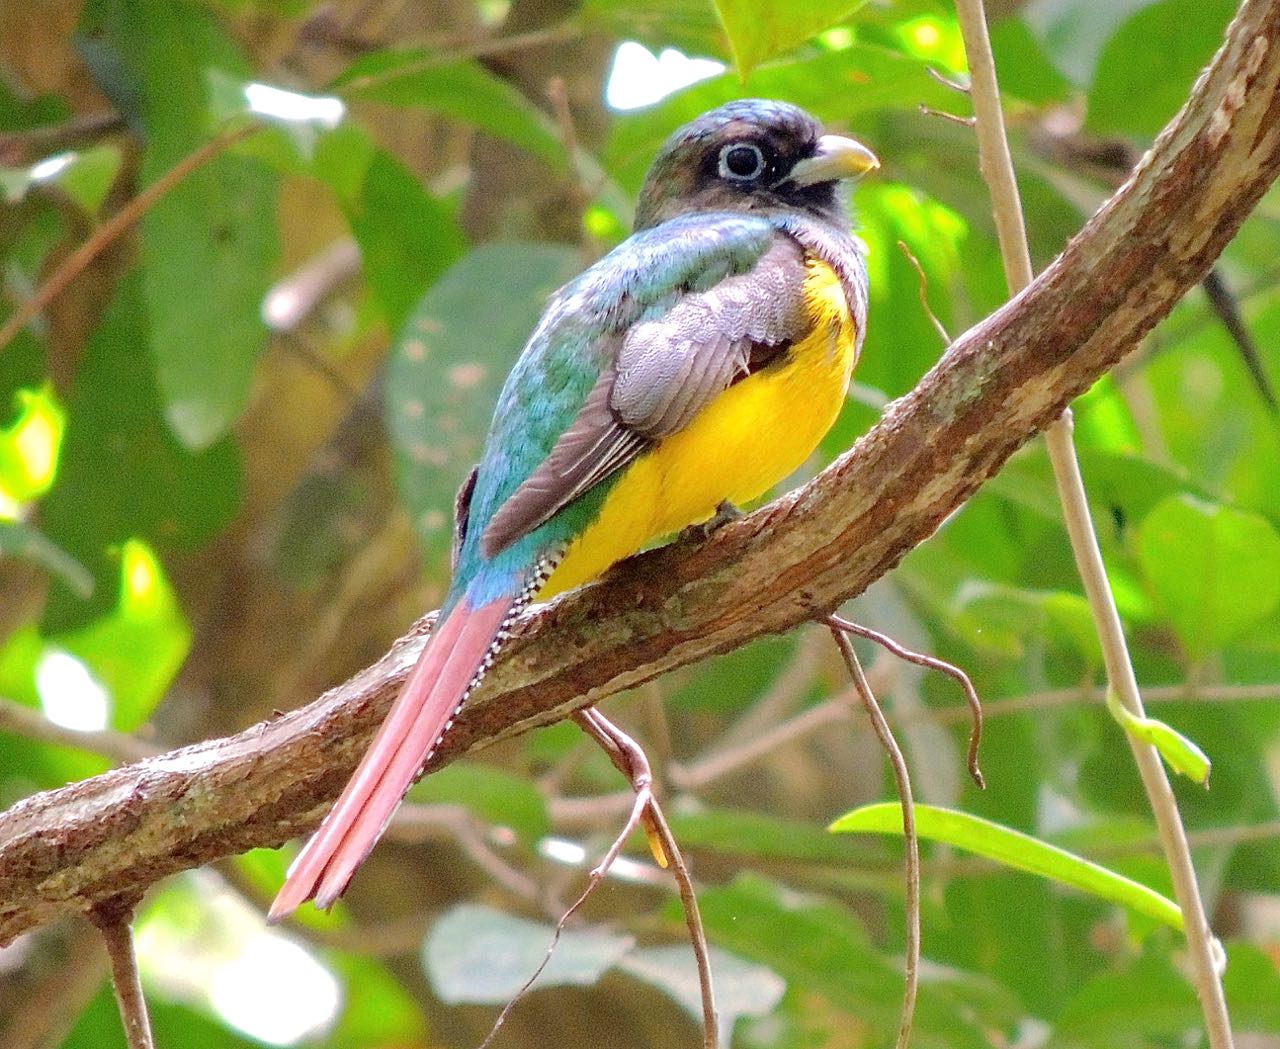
689, 370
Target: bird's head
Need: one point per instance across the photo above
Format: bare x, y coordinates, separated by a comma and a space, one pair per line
752, 155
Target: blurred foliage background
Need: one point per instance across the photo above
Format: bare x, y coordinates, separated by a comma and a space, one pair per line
228, 453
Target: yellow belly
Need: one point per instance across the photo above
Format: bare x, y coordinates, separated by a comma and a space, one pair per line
743, 443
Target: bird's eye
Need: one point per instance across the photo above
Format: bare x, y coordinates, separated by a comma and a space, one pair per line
741, 161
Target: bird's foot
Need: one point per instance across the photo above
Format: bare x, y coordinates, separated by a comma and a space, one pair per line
725, 513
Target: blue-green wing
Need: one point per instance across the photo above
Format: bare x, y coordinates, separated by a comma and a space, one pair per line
561, 384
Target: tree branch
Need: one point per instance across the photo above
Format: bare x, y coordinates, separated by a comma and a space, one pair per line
1001, 382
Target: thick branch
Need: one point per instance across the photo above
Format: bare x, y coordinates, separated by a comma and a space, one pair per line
998, 384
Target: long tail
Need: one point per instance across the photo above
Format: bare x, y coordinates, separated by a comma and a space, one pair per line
452, 663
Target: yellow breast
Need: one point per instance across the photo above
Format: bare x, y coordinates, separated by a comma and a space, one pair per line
743, 443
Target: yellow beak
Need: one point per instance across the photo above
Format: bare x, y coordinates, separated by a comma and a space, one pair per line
837, 158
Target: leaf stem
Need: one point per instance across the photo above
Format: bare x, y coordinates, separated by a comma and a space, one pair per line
840, 629
997, 170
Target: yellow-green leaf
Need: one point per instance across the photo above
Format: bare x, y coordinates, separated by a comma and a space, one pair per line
760, 29
1014, 849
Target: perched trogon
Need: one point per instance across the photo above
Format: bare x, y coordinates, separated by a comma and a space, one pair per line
697, 364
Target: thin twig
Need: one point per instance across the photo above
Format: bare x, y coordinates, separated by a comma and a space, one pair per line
933, 663
955, 118
597, 875
447, 53
997, 171
1059, 697
20, 148
21, 720
959, 86
630, 759
922, 285
903, 779
112, 921
75, 263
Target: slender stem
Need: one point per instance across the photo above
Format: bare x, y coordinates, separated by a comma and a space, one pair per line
21, 720
630, 759
940, 665
112, 921
75, 263
903, 779
997, 170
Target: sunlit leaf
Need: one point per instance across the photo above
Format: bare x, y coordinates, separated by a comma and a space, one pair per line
481, 955
30, 445
760, 29
1013, 849
1180, 753
1215, 570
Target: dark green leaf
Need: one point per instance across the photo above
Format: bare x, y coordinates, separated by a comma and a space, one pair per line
209, 244
884, 79
407, 238
457, 88
818, 947
1138, 87
119, 458
26, 542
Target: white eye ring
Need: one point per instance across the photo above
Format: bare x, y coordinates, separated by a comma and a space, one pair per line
741, 147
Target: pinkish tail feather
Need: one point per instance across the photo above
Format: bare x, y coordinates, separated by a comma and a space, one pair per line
422, 713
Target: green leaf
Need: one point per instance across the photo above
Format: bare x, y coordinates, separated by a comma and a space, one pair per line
119, 458
1214, 570
495, 796
460, 89
447, 367
1074, 32
1137, 88
476, 954
760, 29
819, 947
31, 444
377, 1010
209, 244
1001, 618
1016, 850
26, 542
98, 1026
137, 649
407, 238
658, 24
742, 988
1179, 753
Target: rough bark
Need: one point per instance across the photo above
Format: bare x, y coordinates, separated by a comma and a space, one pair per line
998, 384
